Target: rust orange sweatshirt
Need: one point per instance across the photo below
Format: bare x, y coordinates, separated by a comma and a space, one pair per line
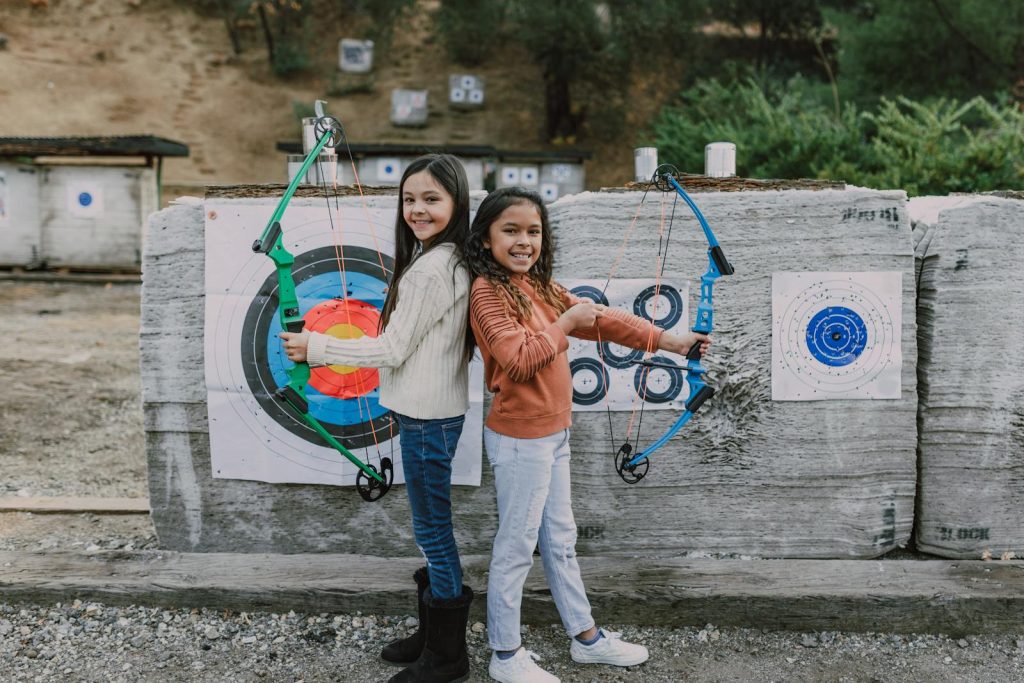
525, 362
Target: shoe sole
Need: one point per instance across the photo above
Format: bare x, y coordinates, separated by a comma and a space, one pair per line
599, 661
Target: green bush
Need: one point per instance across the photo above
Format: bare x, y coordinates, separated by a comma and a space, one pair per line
788, 131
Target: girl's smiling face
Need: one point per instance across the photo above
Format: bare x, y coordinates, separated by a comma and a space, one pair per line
515, 238
426, 207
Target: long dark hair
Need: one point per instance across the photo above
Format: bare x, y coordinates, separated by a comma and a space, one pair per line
451, 176
481, 262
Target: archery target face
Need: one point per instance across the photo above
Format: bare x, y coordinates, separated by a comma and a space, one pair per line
836, 335
604, 374
340, 291
85, 199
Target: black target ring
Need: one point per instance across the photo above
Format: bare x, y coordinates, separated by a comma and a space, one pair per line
262, 313
671, 295
600, 389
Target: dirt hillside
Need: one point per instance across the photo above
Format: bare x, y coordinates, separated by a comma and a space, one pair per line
120, 67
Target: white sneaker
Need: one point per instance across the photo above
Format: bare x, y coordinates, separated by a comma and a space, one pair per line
519, 668
609, 650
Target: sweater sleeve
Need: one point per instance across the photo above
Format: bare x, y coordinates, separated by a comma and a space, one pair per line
619, 326
520, 351
424, 297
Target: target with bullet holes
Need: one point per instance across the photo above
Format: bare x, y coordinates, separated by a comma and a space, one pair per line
836, 335
341, 277
604, 375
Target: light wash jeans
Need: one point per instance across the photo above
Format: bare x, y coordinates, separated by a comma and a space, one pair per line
534, 505
428, 447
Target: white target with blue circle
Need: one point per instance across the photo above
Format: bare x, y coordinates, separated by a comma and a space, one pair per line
836, 335
85, 199
605, 374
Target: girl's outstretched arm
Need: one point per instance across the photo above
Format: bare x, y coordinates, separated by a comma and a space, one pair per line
424, 299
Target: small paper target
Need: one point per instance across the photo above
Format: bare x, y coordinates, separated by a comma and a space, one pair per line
589, 381
457, 95
418, 99
343, 399
661, 304
510, 175
468, 82
836, 335
528, 175
389, 170
85, 200
549, 191
560, 173
660, 384
590, 292
476, 96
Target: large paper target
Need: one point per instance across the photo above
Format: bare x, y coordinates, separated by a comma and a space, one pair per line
342, 265
836, 335
605, 374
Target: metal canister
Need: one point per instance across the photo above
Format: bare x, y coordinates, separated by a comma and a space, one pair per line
720, 160
645, 161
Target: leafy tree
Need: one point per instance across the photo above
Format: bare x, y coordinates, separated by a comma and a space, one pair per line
585, 49
920, 48
775, 21
783, 130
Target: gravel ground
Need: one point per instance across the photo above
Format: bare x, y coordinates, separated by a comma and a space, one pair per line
81, 341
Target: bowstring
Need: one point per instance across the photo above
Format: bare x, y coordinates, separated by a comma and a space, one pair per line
337, 236
604, 293
663, 240
383, 270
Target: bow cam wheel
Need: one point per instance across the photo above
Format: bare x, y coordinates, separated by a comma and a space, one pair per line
630, 474
661, 174
369, 488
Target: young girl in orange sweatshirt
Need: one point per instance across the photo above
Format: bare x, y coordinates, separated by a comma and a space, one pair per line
521, 318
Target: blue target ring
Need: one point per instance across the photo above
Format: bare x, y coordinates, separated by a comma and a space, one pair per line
836, 336
84, 198
310, 292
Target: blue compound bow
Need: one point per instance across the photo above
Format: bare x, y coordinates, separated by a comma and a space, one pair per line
633, 467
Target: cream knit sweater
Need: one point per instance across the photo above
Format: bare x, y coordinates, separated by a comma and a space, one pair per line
423, 370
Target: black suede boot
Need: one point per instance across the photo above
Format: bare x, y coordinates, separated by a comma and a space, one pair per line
444, 658
405, 651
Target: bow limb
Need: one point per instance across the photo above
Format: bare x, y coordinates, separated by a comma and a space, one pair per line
631, 467
293, 394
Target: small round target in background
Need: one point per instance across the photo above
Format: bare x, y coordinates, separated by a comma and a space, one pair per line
343, 399
660, 304
659, 384
835, 336
589, 381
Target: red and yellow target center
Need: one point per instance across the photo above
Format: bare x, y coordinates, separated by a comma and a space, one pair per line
344, 319
344, 331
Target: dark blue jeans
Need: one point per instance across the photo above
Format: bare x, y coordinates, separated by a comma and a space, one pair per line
428, 447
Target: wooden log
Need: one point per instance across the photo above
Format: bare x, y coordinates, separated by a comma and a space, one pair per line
903, 596
971, 321
108, 506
